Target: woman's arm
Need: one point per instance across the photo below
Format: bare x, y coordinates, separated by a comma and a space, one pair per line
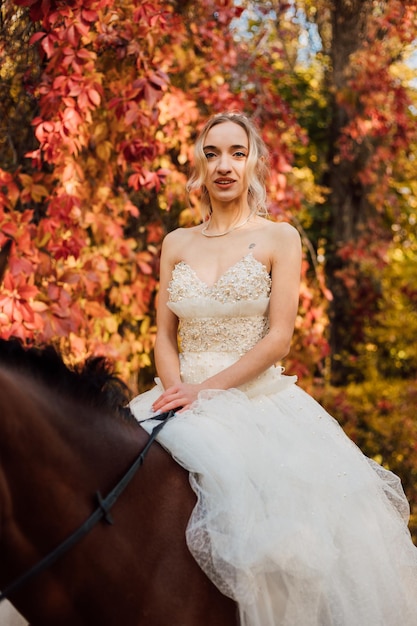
285, 271
166, 343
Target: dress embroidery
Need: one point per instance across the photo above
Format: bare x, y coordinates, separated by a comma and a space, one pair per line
245, 280
213, 317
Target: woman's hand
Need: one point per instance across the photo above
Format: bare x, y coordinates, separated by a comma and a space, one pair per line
179, 396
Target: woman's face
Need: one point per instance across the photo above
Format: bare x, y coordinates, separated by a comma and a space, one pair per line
226, 148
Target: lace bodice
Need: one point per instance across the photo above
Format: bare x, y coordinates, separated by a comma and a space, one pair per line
230, 316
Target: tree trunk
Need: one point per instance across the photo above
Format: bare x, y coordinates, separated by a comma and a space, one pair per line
347, 199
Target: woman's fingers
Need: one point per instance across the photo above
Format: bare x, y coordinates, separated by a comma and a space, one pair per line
170, 399
179, 396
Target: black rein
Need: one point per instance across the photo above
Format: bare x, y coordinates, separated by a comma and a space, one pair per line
102, 511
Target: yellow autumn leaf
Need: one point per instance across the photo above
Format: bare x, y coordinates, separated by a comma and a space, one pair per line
38, 192
104, 150
111, 324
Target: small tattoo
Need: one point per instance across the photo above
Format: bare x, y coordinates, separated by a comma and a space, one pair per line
252, 245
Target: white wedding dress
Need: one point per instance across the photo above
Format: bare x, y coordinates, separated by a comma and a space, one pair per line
9, 616
292, 520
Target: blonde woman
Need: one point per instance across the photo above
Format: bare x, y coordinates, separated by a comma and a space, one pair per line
292, 520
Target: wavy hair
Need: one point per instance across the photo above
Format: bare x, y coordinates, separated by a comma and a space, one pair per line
256, 164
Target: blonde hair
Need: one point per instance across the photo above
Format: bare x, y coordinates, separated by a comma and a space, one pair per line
256, 164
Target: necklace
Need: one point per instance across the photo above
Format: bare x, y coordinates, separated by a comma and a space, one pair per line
226, 232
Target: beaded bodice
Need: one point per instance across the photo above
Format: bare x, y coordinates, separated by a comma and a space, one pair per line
230, 316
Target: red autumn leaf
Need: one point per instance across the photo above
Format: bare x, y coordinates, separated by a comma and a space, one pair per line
158, 79
73, 35
47, 45
89, 15
94, 97
36, 37
132, 114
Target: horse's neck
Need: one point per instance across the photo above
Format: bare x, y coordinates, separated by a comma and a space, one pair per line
36, 417
49, 441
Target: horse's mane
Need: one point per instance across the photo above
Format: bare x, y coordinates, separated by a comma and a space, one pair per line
93, 384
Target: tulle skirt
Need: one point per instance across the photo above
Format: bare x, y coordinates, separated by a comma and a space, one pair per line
292, 520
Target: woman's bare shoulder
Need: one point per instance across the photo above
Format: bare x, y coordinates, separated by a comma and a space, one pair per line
281, 234
174, 241
282, 229
282, 244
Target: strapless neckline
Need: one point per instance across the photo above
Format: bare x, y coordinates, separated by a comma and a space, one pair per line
224, 274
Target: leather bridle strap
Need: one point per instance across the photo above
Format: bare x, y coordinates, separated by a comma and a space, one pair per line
102, 511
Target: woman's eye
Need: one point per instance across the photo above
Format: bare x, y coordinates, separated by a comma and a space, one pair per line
209, 155
240, 154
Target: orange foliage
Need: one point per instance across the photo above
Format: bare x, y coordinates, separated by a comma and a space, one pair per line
377, 102
122, 91
120, 95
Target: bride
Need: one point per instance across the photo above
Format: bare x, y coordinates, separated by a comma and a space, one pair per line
291, 520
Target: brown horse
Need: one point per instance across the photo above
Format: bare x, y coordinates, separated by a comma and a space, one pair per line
64, 435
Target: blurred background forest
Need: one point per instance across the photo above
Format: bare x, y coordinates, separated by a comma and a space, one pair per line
100, 102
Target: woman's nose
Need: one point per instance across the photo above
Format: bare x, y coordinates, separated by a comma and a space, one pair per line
223, 164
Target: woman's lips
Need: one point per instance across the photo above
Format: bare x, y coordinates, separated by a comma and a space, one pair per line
224, 182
